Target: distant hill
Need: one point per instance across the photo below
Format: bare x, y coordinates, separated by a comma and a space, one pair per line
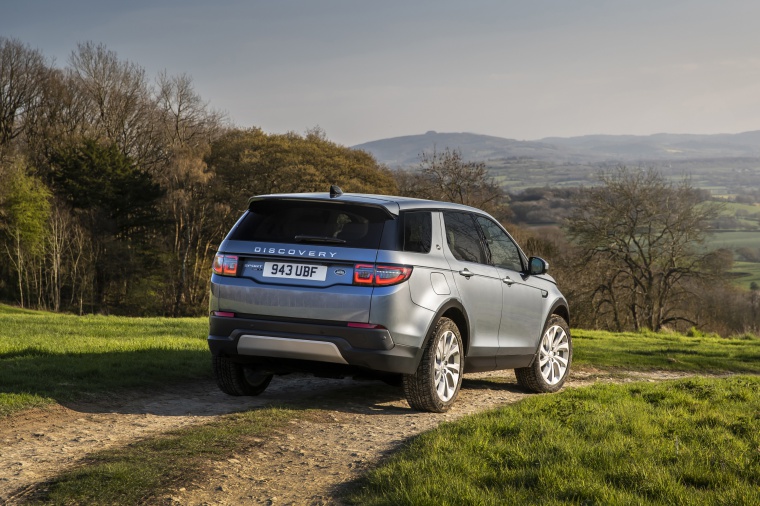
725, 164
405, 151
585, 150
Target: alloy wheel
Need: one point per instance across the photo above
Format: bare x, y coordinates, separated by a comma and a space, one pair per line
554, 354
447, 366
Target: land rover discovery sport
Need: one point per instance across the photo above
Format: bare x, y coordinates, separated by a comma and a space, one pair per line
410, 291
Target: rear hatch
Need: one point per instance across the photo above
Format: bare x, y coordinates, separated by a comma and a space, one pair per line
301, 259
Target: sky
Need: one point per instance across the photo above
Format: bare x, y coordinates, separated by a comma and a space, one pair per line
367, 70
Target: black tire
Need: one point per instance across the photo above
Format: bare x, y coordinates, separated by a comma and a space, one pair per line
237, 379
556, 347
423, 390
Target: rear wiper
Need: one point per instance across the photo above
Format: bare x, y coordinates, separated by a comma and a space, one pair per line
316, 238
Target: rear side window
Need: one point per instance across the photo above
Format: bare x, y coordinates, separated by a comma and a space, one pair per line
418, 232
293, 221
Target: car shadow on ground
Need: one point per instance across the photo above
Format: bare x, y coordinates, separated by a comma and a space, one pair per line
296, 391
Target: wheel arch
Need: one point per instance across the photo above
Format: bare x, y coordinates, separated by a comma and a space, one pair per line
455, 311
560, 307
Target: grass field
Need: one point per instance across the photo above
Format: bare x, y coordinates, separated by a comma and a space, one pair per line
733, 239
731, 208
47, 357
694, 441
746, 273
665, 351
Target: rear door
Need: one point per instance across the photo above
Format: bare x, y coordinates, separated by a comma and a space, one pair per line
479, 287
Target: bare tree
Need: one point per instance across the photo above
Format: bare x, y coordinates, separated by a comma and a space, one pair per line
187, 121
22, 79
447, 176
191, 208
188, 126
116, 103
641, 238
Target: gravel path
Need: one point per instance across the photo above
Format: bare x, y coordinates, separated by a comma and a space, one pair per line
306, 462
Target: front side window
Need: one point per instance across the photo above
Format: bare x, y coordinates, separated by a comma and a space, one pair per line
504, 252
462, 237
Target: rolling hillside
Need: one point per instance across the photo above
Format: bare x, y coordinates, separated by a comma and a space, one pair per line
722, 163
590, 149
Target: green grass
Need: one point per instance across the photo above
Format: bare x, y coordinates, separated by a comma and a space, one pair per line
142, 472
745, 273
733, 239
46, 357
732, 207
694, 441
665, 351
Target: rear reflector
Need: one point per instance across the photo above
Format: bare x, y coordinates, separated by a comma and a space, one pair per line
360, 325
223, 314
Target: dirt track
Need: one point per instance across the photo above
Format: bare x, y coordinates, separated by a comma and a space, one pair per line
304, 463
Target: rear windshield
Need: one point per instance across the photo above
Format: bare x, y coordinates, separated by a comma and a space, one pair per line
292, 221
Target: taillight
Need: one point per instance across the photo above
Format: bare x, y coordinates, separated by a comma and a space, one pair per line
226, 265
364, 274
386, 275
380, 275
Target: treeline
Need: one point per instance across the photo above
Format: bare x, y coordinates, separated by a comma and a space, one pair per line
115, 188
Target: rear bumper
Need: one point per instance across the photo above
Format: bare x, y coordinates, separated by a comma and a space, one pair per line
299, 345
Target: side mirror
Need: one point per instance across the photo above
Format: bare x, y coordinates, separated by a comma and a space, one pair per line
537, 266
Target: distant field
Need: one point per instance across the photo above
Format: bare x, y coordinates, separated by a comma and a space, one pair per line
746, 273
749, 208
746, 215
525, 173
734, 239
720, 177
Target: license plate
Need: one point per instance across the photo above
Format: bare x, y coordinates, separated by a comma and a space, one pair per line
294, 271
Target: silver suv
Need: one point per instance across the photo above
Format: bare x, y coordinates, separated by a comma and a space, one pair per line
410, 291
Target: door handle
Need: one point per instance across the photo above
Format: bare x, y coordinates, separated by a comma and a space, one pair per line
466, 273
509, 281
